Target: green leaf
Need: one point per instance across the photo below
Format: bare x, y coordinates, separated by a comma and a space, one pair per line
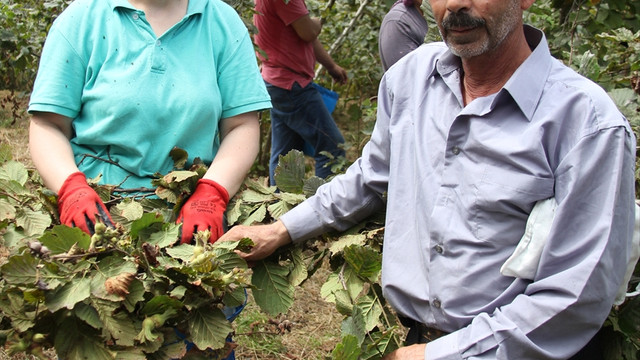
235, 298
128, 209
345, 241
347, 349
78, 341
256, 216
208, 327
292, 199
371, 311
174, 349
14, 188
378, 344
61, 238
34, 223
348, 279
366, 262
69, 295
159, 304
5, 153
299, 272
629, 318
289, 173
234, 211
7, 210
13, 307
311, 185
167, 237
119, 327
12, 238
182, 252
343, 301
144, 222
136, 295
355, 325
252, 196
179, 156
229, 260
272, 292
279, 208
20, 269
260, 185
13, 170
89, 315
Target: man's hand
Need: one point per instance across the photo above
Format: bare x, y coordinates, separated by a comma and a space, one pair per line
413, 352
79, 205
204, 210
338, 74
266, 238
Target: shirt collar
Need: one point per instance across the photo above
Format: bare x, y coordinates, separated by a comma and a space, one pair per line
195, 6
527, 83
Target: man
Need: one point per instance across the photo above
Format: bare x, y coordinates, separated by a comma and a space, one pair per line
469, 137
403, 29
289, 38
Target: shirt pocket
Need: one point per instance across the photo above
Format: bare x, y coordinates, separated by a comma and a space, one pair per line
503, 201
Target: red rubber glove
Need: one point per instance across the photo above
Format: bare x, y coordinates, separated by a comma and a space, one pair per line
204, 210
79, 204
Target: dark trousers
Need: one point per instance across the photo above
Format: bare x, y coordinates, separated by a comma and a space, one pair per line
421, 334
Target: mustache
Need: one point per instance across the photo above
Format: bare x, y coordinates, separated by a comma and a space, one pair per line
461, 19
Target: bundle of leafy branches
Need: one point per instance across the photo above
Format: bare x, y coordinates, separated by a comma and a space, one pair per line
129, 291
133, 292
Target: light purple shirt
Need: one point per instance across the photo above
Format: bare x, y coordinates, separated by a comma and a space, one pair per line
461, 182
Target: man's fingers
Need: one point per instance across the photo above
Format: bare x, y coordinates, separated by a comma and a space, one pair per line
245, 256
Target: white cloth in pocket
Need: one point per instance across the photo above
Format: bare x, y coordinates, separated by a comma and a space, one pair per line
523, 263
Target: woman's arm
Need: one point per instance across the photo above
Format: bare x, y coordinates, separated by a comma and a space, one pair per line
50, 149
239, 147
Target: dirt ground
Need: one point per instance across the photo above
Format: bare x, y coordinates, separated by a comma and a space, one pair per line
314, 323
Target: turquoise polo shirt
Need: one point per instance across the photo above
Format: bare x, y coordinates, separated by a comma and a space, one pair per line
134, 96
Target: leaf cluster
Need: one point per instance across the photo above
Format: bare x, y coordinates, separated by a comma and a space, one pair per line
129, 291
370, 328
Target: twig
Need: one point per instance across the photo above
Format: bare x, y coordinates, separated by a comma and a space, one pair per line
346, 30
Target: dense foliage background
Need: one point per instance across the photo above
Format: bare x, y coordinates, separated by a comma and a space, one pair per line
600, 39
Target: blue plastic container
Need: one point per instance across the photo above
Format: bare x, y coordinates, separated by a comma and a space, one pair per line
329, 97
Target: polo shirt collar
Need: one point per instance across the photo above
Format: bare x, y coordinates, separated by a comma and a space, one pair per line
195, 6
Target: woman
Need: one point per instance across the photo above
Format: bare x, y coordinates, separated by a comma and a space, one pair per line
122, 82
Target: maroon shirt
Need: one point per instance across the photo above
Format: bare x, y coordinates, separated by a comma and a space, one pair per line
288, 59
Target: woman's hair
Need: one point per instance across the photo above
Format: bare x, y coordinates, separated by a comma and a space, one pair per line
407, 3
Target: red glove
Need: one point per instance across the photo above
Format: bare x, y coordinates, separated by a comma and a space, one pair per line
204, 210
79, 204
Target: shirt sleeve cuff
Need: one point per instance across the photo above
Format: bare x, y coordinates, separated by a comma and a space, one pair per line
302, 223
444, 348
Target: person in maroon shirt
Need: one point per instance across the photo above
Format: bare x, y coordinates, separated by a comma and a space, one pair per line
288, 35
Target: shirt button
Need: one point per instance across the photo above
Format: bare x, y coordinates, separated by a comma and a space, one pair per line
456, 150
158, 42
135, 16
436, 304
439, 249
